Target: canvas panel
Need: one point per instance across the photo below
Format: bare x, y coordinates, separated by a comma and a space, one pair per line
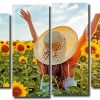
4, 51
95, 51
70, 68
30, 75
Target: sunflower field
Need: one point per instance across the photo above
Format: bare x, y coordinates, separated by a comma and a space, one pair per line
95, 55
4, 64
26, 72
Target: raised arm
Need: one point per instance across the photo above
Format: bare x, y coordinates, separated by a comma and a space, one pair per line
74, 59
27, 17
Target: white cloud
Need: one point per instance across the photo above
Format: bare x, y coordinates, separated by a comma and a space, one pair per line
58, 9
74, 7
73, 16
61, 8
31, 8
41, 27
59, 19
21, 32
17, 8
60, 5
78, 23
82, 11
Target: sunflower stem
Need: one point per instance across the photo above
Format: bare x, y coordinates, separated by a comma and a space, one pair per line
26, 72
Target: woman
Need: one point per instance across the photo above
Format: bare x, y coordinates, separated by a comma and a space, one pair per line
61, 70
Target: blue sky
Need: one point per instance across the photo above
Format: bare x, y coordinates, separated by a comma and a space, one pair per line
4, 27
74, 15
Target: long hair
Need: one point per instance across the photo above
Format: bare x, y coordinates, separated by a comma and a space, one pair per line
60, 71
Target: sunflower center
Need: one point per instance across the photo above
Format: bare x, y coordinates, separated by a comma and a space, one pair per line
14, 43
20, 47
97, 55
17, 91
4, 49
23, 61
2, 42
28, 46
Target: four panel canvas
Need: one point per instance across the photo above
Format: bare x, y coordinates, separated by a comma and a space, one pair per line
40, 32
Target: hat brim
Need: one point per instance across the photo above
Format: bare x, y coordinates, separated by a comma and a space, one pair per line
65, 53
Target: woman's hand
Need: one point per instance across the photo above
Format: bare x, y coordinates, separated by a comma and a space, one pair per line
25, 15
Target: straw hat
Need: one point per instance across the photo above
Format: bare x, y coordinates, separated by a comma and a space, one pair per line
64, 43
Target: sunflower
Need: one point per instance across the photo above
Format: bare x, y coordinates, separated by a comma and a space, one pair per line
14, 43
94, 49
94, 41
29, 46
6, 84
32, 43
23, 59
84, 50
1, 42
4, 48
35, 60
20, 47
18, 89
7, 42
97, 56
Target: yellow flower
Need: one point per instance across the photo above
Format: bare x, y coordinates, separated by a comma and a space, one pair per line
6, 84
35, 60
94, 41
94, 49
20, 47
33, 43
99, 46
29, 46
97, 53
14, 43
84, 50
97, 56
14, 46
4, 48
1, 42
23, 59
7, 42
18, 89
